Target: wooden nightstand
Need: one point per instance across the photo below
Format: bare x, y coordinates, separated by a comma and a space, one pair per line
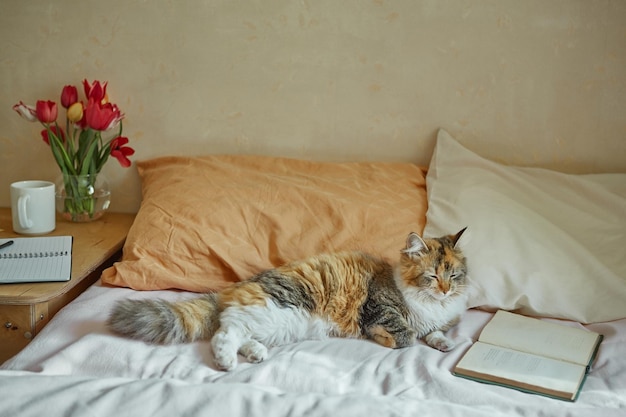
26, 308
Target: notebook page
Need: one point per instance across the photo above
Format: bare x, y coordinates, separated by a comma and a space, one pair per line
36, 259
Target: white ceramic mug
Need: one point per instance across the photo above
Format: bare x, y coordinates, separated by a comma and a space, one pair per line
33, 207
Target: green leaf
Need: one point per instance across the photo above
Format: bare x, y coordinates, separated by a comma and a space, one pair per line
58, 151
88, 159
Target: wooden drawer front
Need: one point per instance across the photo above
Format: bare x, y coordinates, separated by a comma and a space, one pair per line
18, 325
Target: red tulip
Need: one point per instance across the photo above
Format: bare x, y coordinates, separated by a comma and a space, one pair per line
46, 111
118, 116
101, 116
27, 112
81, 148
56, 131
69, 96
121, 152
96, 90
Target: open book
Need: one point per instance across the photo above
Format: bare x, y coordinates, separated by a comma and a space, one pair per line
531, 355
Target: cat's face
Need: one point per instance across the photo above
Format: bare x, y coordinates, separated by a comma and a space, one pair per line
434, 267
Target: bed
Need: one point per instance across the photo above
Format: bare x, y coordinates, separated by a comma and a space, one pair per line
539, 242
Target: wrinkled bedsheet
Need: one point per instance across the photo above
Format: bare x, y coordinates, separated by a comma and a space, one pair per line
76, 367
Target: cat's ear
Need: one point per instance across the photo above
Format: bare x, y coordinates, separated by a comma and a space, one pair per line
456, 237
414, 244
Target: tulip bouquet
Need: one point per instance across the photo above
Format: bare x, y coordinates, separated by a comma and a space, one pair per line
92, 133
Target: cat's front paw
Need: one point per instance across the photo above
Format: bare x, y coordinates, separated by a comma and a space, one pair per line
225, 353
444, 345
254, 351
439, 341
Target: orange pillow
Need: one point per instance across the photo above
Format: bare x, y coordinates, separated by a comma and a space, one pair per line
207, 222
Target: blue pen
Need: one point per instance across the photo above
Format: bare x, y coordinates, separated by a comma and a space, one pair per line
6, 244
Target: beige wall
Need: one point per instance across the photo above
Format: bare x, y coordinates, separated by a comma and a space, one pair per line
533, 82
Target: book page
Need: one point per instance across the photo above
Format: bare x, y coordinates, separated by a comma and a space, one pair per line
543, 338
36, 259
518, 369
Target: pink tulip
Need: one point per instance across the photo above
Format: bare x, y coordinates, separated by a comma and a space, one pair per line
81, 147
27, 112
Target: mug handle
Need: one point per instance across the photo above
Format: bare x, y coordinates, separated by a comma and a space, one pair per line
22, 216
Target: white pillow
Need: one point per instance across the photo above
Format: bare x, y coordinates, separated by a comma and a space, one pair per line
541, 242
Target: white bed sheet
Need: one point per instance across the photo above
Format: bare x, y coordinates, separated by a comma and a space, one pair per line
76, 367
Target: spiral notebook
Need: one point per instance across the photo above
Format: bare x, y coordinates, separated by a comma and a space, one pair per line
36, 259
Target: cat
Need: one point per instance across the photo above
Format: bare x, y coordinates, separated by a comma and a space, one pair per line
343, 294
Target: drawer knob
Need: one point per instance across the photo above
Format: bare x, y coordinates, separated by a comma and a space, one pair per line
8, 324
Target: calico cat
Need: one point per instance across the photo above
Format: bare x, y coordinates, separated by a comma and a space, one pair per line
345, 294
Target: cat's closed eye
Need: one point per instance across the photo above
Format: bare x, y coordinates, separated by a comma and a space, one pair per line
430, 277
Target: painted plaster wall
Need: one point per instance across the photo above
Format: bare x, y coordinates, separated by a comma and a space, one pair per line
533, 82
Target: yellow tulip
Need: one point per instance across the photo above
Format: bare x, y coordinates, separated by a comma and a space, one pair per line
75, 112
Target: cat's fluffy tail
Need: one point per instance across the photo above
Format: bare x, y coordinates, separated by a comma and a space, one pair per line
165, 322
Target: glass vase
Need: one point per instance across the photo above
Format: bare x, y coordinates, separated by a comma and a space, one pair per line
82, 198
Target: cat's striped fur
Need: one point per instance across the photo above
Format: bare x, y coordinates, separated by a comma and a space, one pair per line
346, 294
